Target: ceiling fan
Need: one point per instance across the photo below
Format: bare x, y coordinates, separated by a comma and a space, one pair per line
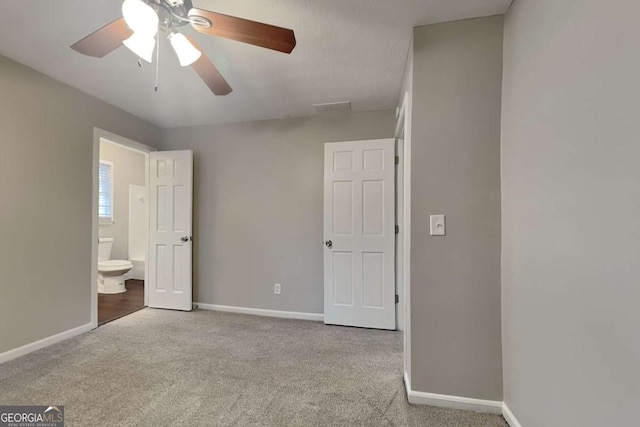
142, 19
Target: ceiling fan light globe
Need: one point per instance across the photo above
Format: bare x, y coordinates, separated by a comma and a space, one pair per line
141, 45
186, 52
140, 17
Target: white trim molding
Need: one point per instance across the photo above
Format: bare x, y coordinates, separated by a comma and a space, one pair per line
451, 402
407, 382
405, 113
262, 312
509, 417
45, 342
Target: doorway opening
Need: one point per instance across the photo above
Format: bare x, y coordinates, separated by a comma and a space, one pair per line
121, 231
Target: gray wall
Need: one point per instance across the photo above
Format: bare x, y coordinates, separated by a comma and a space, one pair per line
46, 192
571, 212
455, 279
128, 168
258, 206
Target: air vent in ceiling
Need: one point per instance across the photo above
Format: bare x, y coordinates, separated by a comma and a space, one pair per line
333, 107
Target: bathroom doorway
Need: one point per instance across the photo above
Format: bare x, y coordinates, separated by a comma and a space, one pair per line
122, 215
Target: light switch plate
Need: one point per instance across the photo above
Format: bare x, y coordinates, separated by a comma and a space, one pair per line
437, 225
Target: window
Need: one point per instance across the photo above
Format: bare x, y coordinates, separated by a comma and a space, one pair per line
105, 191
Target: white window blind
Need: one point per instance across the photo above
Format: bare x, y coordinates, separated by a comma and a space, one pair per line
105, 191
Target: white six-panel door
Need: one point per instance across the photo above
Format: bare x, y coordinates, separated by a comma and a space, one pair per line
170, 229
359, 233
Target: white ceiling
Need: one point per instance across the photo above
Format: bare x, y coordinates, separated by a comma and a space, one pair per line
346, 50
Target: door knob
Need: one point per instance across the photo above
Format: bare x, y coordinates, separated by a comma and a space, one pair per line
185, 238
329, 244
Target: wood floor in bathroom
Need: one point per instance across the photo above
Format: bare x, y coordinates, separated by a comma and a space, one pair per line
111, 307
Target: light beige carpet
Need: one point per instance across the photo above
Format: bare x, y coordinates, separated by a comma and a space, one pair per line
165, 368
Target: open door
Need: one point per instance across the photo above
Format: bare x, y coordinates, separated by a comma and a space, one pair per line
170, 229
359, 233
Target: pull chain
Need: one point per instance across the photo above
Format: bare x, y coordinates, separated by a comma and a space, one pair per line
157, 60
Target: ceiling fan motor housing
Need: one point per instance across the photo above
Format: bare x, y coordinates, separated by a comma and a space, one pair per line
172, 13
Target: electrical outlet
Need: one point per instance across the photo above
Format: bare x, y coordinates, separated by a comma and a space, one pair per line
276, 288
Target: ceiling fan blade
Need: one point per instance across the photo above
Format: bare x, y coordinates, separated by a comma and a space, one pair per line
243, 30
209, 73
104, 40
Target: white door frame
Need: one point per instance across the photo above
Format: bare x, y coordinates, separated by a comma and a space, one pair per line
98, 135
399, 209
403, 129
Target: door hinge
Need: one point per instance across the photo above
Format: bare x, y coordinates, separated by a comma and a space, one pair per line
397, 160
397, 299
397, 229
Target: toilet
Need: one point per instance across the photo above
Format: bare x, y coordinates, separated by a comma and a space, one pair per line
111, 272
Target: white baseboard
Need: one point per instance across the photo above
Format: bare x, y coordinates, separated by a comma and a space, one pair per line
407, 383
262, 312
45, 342
136, 273
508, 415
451, 402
